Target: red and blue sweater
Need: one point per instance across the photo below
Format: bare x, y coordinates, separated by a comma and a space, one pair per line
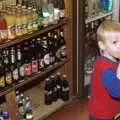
104, 102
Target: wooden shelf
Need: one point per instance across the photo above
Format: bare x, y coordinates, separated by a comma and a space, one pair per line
99, 16
35, 33
31, 78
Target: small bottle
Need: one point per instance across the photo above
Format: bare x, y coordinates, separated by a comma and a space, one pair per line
5, 116
65, 88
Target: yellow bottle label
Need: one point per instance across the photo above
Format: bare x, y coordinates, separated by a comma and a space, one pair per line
8, 78
2, 81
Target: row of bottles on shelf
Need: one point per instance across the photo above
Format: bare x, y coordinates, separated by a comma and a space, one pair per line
56, 87
16, 20
91, 46
31, 56
4, 115
24, 106
93, 7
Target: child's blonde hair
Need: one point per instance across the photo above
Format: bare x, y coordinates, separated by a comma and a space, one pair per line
107, 26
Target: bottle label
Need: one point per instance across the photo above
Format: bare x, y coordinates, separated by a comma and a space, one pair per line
21, 110
65, 89
15, 74
47, 59
58, 86
21, 71
27, 69
30, 26
62, 13
2, 81
41, 63
8, 78
56, 13
34, 66
63, 51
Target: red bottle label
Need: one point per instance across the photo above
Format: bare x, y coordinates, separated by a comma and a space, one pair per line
27, 69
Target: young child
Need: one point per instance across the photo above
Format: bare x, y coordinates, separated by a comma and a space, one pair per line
104, 101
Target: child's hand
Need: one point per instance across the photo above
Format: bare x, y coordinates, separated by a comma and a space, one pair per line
118, 71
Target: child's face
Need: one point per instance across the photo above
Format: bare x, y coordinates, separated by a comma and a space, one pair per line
112, 44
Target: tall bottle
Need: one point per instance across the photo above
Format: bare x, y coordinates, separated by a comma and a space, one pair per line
34, 61
65, 88
48, 92
2, 73
27, 59
14, 68
61, 5
40, 55
7, 63
20, 62
59, 84
62, 44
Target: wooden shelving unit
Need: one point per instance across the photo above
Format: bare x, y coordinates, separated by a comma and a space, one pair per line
41, 111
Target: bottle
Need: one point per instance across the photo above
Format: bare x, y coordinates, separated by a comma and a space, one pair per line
62, 44
54, 88
61, 6
14, 69
45, 13
2, 74
20, 62
21, 109
27, 59
51, 12
65, 88
5, 115
40, 55
7, 63
56, 11
17, 98
3, 28
48, 92
46, 52
51, 48
34, 61
59, 84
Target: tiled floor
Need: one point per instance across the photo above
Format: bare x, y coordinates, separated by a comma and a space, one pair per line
77, 110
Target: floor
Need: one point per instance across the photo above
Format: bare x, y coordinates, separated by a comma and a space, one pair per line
77, 110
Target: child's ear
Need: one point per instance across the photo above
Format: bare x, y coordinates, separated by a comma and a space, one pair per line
101, 45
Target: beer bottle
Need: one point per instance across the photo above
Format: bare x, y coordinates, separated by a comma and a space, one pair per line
14, 69
45, 50
54, 88
5, 115
61, 5
2, 73
40, 55
51, 48
27, 59
7, 62
20, 62
62, 44
65, 88
59, 84
48, 92
56, 46
34, 61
